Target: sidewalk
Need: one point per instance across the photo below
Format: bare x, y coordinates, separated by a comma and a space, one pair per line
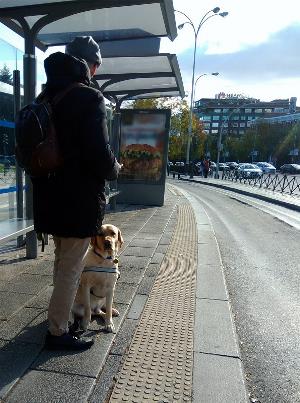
174, 341
282, 199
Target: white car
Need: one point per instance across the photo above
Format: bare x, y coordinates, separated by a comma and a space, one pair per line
266, 167
248, 171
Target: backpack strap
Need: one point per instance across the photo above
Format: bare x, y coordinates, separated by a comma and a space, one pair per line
58, 97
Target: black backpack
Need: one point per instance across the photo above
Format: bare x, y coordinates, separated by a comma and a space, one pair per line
37, 148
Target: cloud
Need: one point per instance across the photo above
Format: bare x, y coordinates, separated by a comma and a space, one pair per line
278, 58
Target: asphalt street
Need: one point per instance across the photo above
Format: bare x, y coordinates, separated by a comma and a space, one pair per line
259, 246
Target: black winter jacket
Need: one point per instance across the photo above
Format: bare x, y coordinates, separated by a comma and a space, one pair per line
71, 202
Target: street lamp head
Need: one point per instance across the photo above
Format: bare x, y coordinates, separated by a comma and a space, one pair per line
216, 10
215, 74
224, 14
180, 26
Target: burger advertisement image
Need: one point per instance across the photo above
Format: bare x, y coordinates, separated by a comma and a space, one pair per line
142, 161
143, 147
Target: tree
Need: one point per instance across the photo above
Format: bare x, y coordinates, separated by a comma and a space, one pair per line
5, 75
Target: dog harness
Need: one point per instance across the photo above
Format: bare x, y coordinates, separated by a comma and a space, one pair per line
98, 269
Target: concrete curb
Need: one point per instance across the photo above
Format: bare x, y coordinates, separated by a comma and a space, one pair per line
245, 192
218, 374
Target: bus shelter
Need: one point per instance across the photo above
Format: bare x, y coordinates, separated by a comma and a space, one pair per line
141, 134
45, 23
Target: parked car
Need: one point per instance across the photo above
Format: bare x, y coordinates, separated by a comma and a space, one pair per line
248, 171
290, 169
266, 167
232, 165
223, 167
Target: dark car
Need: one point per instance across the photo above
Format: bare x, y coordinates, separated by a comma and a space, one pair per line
290, 169
248, 171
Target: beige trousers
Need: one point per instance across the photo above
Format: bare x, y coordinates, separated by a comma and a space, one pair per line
68, 266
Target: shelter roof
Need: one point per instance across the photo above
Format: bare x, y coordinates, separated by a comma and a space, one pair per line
57, 22
133, 77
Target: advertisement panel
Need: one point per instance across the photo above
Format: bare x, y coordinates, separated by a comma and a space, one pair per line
144, 145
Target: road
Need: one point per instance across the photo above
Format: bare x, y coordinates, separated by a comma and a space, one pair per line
259, 245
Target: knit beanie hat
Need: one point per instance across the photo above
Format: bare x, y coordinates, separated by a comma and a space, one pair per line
85, 48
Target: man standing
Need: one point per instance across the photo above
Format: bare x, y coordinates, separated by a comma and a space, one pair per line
70, 204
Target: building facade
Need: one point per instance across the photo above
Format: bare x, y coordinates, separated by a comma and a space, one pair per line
234, 114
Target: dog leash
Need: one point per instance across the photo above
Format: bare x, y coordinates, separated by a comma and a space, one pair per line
115, 260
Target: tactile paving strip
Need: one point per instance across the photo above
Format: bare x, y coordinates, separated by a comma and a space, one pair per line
158, 367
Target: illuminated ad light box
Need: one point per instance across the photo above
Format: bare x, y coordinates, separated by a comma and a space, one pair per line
143, 152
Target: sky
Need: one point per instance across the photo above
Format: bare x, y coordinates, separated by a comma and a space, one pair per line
255, 48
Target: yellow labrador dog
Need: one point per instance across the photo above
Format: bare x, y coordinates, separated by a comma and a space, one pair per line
98, 279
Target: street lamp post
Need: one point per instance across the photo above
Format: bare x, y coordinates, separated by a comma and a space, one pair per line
211, 13
201, 75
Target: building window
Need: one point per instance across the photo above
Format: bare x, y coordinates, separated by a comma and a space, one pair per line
268, 110
216, 117
242, 124
217, 110
258, 110
248, 110
214, 131
215, 125
207, 118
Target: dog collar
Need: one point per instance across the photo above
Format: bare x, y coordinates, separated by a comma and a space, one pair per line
97, 269
115, 260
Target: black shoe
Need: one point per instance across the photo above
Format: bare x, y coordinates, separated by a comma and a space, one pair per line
67, 342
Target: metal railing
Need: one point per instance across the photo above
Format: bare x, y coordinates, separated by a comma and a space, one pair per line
276, 182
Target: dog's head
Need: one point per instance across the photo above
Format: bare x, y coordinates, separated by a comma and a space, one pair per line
108, 241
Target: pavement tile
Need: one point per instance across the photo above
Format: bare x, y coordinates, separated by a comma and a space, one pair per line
146, 285
157, 258
162, 249
11, 302
138, 251
218, 379
153, 270
131, 275
214, 332
208, 253
51, 387
84, 363
133, 262
145, 243
36, 330
11, 328
106, 380
124, 337
42, 299
15, 358
45, 267
137, 306
211, 282
165, 240
124, 293
27, 284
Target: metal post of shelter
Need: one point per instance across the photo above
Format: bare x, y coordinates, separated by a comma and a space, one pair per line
19, 174
29, 61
